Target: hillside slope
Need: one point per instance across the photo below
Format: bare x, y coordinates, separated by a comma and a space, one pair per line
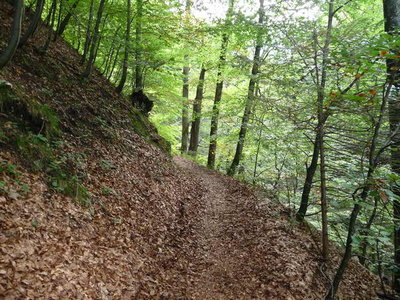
91, 207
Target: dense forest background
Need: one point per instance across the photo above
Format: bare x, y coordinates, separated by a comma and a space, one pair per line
298, 97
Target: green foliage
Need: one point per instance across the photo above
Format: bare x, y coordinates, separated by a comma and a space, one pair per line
107, 191
10, 169
107, 165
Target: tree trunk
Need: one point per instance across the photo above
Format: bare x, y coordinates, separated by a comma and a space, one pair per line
88, 37
52, 14
373, 159
65, 21
310, 172
114, 63
96, 35
185, 92
250, 96
138, 51
127, 48
259, 139
9, 52
196, 115
185, 109
34, 23
212, 150
392, 24
60, 10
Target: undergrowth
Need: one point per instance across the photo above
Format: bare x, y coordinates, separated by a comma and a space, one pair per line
34, 132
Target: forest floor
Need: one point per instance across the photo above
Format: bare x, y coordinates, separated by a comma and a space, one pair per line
149, 228
247, 248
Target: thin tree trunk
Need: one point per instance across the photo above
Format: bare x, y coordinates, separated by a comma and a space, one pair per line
373, 159
34, 23
49, 14
107, 62
114, 63
212, 150
196, 115
58, 20
250, 96
321, 81
185, 109
88, 38
392, 23
318, 150
9, 52
185, 91
364, 243
65, 21
96, 35
138, 50
53, 10
258, 150
310, 172
127, 48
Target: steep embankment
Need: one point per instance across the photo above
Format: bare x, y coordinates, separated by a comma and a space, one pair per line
90, 209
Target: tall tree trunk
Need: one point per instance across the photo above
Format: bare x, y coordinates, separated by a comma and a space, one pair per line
212, 150
114, 63
373, 159
34, 23
310, 172
392, 24
196, 115
127, 48
138, 51
52, 14
110, 55
321, 130
64, 23
96, 35
60, 10
185, 109
250, 95
185, 91
88, 36
9, 52
259, 139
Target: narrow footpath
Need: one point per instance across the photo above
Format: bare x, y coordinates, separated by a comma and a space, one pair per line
248, 249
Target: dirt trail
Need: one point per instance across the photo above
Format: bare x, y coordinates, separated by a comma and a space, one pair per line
247, 249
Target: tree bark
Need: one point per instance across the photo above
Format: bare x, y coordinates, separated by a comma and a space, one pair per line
60, 10
67, 18
196, 115
138, 51
88, 37
52, 15
310, 172
392, 24
250, 96
373, 159
185, 91
114, 63
34, 23
9, 52
321, 131
96, 35
212, 150
121, 85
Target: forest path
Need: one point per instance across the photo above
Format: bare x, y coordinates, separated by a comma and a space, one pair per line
234, 258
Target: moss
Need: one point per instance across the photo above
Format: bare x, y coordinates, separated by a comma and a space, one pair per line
142, 126
33, 132
31, 115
